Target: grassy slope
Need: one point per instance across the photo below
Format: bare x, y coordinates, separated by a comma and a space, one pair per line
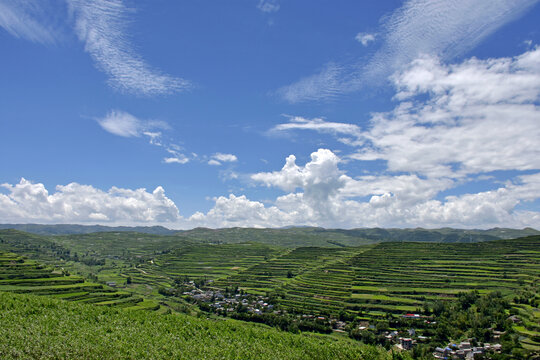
38, 327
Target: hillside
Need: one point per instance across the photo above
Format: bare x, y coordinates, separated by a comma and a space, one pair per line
332, 289
55, 329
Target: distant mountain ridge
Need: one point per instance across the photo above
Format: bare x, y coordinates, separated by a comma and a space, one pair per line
69, 229
290, 236
314, 236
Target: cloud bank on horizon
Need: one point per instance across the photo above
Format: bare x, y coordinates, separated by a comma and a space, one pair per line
452, 125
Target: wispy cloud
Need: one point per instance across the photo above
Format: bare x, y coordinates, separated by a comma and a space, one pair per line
101, 26
365, 38
327, 84
268, 6
317, 124
124, 124
176, 158
444, 28
121, 123
30, 20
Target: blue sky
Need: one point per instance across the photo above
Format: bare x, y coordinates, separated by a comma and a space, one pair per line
270, 113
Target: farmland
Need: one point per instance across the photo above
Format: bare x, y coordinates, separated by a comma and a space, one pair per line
374, 284
23, 276
46, 328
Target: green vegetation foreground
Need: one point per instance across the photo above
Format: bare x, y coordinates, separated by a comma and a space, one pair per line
44, 328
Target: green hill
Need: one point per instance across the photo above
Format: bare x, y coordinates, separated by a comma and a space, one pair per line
42, 328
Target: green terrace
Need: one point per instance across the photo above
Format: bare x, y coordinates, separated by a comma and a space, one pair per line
23, 276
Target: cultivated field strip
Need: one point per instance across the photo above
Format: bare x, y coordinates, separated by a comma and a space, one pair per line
201, 262
23, 276
292, 265
402, 277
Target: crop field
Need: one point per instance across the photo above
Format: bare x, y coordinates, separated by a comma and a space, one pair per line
58, 330
399, 277
369, 282
201, 262
23, 276
119, 244
274, 273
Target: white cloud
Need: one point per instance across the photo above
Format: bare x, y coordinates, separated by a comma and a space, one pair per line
480, 116
320, 178
365, 38
124, 124
453, 124
327, 84
239, 211
101, 26
317, 124
32, 202
394, 202
219, 158
26, 19
321, 194
268, 6
181, 159
176, 158
443, 28
225, 157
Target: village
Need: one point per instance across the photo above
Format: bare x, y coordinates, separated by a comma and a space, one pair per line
244, 306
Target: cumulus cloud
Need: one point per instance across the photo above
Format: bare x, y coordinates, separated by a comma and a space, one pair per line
320, 193
320, 178
219, 158
365, 38
443, 28
32, 202
239, 211
101, 25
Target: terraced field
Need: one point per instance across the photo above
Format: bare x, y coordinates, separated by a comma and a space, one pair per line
321, 290
296, 264
398, 278
209, 262
403, 277
23, 276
